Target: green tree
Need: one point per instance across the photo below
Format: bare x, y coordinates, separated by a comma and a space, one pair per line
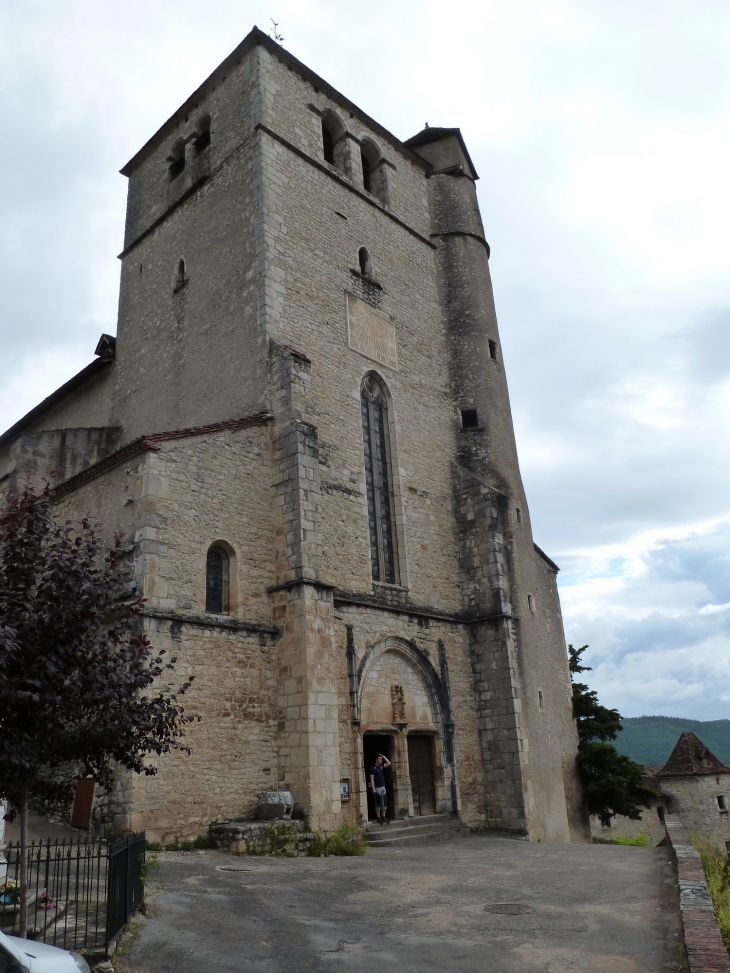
612, 783
81, 688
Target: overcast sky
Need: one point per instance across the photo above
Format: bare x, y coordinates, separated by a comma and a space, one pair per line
601, 132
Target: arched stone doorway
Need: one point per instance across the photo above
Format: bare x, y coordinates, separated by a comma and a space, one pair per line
402, 710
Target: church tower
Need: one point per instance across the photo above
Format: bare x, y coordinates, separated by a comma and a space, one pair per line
304, 429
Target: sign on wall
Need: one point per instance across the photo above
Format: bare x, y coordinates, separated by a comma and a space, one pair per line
370, 332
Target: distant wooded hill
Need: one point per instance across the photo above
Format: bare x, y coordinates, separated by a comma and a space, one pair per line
650, 739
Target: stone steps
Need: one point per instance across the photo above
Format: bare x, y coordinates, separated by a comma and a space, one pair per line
416, 831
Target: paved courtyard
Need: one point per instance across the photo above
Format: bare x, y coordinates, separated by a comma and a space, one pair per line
485, 904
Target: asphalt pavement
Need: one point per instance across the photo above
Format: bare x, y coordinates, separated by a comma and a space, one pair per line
484, 904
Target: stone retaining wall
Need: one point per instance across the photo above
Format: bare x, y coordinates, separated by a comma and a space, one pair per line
706, 951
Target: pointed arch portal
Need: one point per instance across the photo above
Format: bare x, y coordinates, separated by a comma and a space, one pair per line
403, 708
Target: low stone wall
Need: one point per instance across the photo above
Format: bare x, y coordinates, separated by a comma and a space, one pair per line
706, 951
262, 837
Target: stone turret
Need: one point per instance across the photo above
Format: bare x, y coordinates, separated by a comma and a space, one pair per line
508, 586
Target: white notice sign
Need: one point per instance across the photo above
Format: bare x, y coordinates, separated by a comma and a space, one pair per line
370, 332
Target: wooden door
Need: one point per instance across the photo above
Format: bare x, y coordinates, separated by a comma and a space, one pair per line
420, 764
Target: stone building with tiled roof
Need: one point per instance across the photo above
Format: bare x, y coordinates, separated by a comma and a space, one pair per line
694, 784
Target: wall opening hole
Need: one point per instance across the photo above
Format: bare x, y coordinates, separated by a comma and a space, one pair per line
492, 350
518, 514
469, 419
721, 803
660, 813
531, 603
540, 698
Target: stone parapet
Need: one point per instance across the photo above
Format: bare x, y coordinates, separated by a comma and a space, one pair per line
706, 951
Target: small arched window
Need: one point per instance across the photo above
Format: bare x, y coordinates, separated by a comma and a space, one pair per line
216, 581
181, 277
176, 160
379, 480
201, 139
366, 264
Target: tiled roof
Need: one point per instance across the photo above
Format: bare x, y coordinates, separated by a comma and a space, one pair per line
691, 758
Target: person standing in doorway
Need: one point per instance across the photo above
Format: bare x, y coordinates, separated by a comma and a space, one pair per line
376, 776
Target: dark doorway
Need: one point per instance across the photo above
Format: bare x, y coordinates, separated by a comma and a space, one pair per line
372, 745
420, 764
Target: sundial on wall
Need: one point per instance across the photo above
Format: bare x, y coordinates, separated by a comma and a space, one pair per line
370, 332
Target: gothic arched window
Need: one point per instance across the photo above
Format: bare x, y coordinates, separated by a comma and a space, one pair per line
379, 480
216, 581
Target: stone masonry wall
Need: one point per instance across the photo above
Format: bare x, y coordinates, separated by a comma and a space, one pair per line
313, 253
692, 799
174, 503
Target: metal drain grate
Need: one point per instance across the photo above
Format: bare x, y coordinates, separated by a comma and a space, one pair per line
507, 908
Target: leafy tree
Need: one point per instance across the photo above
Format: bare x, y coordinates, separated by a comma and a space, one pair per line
81, 688
612, 783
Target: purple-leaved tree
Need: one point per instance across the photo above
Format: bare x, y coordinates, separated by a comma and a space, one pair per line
81, 689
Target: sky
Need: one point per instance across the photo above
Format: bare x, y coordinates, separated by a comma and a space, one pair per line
601, 132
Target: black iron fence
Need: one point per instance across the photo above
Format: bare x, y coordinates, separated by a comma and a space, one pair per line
80, 892
125, 882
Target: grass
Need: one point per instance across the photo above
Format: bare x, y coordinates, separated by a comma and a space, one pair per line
349, 839
640, 841
717, 874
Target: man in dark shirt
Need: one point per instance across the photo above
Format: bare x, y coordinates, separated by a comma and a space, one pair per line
376, 776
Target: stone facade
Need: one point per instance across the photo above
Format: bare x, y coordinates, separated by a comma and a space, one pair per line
693, 785
266, 276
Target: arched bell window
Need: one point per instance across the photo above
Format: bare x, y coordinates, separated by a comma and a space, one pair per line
216, 581
176, 160
379, 480
374, 171
333, 142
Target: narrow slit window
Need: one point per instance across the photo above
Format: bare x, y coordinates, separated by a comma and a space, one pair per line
181, 277
531, 603
379, 481
216, 582
721, 803
518, 514
492, 350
